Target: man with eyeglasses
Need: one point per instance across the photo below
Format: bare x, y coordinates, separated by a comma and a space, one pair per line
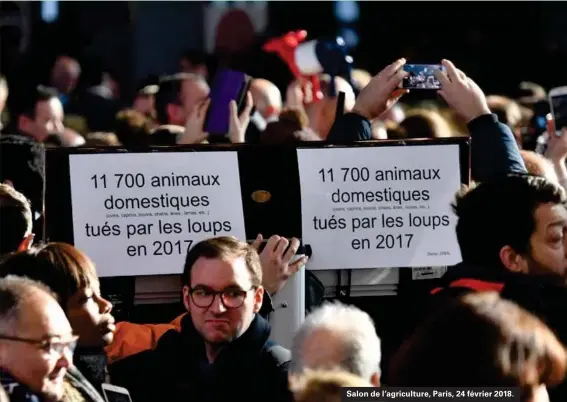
223, 350
36, 341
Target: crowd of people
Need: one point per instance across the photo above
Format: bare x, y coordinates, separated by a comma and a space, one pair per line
497, 319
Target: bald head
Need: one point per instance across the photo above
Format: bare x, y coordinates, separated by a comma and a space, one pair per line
336, 336
360, 78
65, 74
267, 98
20, 302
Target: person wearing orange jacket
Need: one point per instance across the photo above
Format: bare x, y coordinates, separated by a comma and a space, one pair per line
277, 268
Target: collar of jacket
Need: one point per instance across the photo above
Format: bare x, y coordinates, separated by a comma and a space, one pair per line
251, 342
92, 363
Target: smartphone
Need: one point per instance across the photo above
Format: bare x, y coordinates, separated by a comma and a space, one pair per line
558, 106
228, 85
421, 76
112, 393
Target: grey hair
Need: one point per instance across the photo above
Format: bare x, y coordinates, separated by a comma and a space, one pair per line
362, 348
14, 290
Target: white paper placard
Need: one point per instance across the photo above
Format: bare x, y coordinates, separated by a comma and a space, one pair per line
138, 213
378, 207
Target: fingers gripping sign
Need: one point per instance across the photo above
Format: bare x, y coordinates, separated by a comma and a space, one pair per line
276, 259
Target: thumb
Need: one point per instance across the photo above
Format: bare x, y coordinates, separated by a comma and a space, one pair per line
233, 113
259, 239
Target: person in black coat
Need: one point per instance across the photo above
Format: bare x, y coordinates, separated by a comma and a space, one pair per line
223, 351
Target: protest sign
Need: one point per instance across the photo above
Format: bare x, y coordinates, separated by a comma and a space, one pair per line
139, 213
374, 207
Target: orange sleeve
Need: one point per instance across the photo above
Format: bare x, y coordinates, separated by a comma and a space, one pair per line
130, 338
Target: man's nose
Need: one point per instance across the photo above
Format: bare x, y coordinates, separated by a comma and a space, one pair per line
65, 359
217, 306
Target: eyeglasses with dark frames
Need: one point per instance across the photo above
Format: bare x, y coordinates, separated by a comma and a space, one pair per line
231, 298
53, 346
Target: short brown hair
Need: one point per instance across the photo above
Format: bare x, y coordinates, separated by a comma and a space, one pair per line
224, 248
480, 340
423, 123
60, 266
15, 218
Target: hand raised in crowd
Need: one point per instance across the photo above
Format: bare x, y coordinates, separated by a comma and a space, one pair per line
557, 150
276, 258
239, 124
557, 143
461, 93
194, 133
298, 94
382, 92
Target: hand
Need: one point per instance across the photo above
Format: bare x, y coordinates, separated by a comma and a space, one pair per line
299, 93
382, 92
276, 267
238, 124
557, 145
461, 93
193, 133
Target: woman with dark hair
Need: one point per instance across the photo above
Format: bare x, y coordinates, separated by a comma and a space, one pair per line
72, 277
482, 340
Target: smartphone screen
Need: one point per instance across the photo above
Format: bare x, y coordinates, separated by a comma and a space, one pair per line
227, 85
559, 109
113, 396
422, 76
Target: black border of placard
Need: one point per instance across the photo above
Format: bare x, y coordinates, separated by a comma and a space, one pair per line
273, 169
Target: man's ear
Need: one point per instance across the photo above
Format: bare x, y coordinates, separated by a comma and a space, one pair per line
24, 123
512, 260
26, 244
258, 297
186, 297
375, 379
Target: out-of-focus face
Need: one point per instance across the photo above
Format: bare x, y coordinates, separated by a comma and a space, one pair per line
48, 119
90, 316
217, 323
145, 104
548, 242
192, 93
41, 361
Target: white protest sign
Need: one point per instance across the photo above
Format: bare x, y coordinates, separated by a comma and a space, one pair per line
378, 207
138, 213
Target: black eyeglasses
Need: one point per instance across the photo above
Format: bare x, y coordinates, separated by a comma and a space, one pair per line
230, 298
50, 346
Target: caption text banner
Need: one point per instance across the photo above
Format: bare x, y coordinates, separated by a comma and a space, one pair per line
378, 207
138, 213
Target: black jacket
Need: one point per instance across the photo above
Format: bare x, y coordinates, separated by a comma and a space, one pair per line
544, 297
178, 370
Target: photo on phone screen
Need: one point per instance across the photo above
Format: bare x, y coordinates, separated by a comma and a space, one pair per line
558, 105
422, 76
227, 85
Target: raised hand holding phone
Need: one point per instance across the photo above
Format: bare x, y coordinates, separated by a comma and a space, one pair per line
382, 92
239, 123
558, 107
461, 93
